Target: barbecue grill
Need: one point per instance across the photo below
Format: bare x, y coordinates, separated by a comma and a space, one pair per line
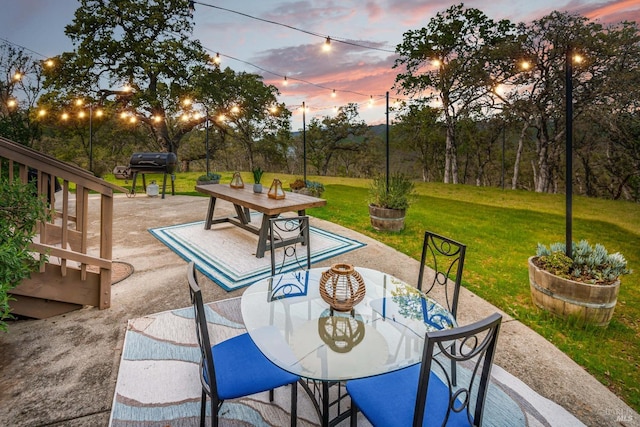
142, 163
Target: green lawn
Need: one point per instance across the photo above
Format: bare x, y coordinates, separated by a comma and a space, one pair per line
501, 230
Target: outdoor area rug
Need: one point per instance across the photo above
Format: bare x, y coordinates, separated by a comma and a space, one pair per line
226, 254
158, 384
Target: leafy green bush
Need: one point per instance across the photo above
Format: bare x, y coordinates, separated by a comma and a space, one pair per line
209, 177
589, 264
20, 210
398, 196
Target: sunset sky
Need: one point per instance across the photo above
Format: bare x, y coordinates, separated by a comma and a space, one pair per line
246, 44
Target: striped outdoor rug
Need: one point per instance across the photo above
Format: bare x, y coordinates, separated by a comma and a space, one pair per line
226, 253
158, 384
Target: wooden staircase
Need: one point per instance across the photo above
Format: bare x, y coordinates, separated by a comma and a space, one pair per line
73, 276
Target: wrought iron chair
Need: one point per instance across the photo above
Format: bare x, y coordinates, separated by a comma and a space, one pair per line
446, 258
235, 367
424, 394
289, 243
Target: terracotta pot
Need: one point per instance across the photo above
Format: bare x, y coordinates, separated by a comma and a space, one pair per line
584, 302
384, 219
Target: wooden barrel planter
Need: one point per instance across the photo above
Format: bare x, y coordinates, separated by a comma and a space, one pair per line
584, 302
384, 219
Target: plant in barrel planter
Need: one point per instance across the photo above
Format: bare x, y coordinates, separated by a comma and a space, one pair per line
388, 206
257, 176
210, 178
584, 288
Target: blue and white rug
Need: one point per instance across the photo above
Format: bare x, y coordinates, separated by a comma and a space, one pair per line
226, 254
158, 383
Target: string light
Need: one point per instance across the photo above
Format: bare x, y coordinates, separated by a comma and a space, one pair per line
64, 116
12, 103
327, 45
285, 79
525, 65
296, 29
42, 112
17, 76
216, 59
333, 94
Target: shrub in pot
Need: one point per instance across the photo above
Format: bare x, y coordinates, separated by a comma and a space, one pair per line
210, 178
584, 288
388, 205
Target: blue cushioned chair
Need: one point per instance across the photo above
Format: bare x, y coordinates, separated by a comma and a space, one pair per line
235, 367
423, 394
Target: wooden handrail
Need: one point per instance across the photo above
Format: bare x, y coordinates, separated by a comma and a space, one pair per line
65, 282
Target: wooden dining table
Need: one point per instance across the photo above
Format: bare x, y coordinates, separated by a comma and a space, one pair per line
245, 199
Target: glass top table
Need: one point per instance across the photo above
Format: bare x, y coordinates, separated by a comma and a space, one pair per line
294, 327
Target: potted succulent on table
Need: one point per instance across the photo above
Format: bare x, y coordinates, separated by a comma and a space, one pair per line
388, 205
257, 176
584, 288
210, 178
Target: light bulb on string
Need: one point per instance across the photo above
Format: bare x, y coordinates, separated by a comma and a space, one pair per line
326, 47
285, 82
333, 94
370, 101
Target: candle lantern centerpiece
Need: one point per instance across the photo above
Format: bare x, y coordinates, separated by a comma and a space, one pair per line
342, 287
276, 191
236, 181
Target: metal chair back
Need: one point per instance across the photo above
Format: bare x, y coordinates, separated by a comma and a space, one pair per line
476, 345
446, 258
289, 243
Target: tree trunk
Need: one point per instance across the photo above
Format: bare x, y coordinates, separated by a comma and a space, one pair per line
516, 164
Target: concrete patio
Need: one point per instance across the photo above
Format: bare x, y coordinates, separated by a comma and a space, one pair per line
62, 371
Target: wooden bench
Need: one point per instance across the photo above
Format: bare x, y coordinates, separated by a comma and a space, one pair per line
244, 199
